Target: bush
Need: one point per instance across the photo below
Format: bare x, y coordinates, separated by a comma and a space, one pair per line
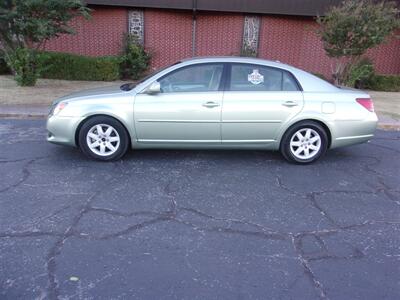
386, 83
76, 67
4, 69
360, 73
26, 24
354, 26
362, 76
23, 62
135, 60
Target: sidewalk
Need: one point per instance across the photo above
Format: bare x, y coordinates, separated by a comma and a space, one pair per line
34, 102
45, 91
22, 111
387, 107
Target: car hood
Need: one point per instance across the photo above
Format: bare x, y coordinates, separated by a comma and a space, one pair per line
97, 92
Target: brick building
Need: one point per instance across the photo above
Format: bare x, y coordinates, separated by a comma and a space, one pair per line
282, 30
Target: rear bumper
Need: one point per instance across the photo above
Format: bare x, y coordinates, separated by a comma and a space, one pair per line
61, 130
348, 133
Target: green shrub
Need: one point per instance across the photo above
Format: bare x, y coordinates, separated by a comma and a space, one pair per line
386, 83
360, 73
352, 27
4, 69
76, 67
26, 24
23, 62
135, 60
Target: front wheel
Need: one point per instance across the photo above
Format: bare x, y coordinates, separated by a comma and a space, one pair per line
304, 143
103, 138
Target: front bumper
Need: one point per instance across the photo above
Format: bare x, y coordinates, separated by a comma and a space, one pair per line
61, 130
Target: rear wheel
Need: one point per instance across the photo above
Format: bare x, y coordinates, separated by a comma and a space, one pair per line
304, 142
103, 138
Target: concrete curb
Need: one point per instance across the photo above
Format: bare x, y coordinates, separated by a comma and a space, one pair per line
24, 111
389, 126
27, 116
395, 126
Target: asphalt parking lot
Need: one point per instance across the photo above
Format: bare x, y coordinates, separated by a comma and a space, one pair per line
197, 224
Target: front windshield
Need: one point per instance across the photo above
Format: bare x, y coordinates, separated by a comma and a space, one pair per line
132, 85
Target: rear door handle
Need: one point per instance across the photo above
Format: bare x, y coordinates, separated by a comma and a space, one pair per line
210, 104
290, 103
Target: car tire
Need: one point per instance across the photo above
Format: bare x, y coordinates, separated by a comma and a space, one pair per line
103, 138
304, 143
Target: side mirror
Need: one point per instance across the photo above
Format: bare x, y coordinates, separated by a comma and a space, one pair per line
154, 88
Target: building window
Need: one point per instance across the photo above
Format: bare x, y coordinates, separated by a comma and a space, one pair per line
136, 25
250, 35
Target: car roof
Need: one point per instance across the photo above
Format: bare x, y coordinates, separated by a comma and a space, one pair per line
236, 59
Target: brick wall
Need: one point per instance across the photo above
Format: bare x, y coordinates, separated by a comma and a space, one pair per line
387, 56
101, 35
294, 41
219, 34
168, 36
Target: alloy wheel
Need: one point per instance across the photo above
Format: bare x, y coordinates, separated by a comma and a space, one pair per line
305, 143
103, 139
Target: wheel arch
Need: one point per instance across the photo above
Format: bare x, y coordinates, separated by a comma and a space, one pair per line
323, 124
78, 128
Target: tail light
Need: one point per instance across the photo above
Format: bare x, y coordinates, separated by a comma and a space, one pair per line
367, 103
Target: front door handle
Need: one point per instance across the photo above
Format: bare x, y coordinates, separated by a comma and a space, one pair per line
210, 104
290, 103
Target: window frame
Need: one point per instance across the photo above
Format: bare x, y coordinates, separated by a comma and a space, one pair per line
228, 79
221, 86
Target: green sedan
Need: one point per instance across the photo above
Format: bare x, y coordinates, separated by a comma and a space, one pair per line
216, 103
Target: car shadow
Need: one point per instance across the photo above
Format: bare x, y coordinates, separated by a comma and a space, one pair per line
68, 153
171, 155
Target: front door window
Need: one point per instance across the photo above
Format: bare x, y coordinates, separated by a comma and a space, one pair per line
199, 78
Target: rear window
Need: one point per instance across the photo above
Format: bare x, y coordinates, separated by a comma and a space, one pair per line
245, 77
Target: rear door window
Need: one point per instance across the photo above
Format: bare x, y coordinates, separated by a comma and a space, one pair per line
246, 77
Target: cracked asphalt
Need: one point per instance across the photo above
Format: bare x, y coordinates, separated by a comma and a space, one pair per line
197, 224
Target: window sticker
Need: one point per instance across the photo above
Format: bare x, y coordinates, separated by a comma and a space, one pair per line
255, 77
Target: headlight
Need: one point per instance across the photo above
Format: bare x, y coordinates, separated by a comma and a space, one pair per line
57, 108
